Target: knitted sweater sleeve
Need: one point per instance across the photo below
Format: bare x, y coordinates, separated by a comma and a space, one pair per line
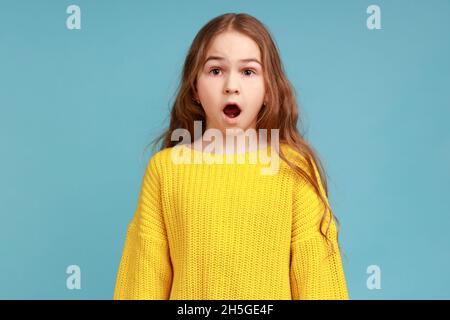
316, 271
145, 270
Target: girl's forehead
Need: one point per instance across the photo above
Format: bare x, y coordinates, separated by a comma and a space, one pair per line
233, 47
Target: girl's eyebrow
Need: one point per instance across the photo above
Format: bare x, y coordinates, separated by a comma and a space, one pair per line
223, 59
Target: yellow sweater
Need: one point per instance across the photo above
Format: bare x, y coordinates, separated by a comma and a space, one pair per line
225, 231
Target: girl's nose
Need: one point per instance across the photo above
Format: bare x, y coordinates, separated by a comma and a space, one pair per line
231, 90
231, 84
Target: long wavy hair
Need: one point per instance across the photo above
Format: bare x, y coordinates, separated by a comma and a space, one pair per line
280, 111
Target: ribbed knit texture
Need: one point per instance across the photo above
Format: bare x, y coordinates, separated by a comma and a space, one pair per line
226, 231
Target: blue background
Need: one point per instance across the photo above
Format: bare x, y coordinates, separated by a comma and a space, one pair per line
78, 107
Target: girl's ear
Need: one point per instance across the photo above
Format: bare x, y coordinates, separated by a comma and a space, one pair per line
195, 97
194, 92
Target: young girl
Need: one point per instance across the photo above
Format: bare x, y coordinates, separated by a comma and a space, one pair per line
221, 230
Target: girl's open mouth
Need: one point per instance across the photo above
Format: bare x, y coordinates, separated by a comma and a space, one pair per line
232, 110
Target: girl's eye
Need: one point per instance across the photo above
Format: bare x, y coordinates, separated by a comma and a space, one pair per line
249, 73
214, 69
246, 72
